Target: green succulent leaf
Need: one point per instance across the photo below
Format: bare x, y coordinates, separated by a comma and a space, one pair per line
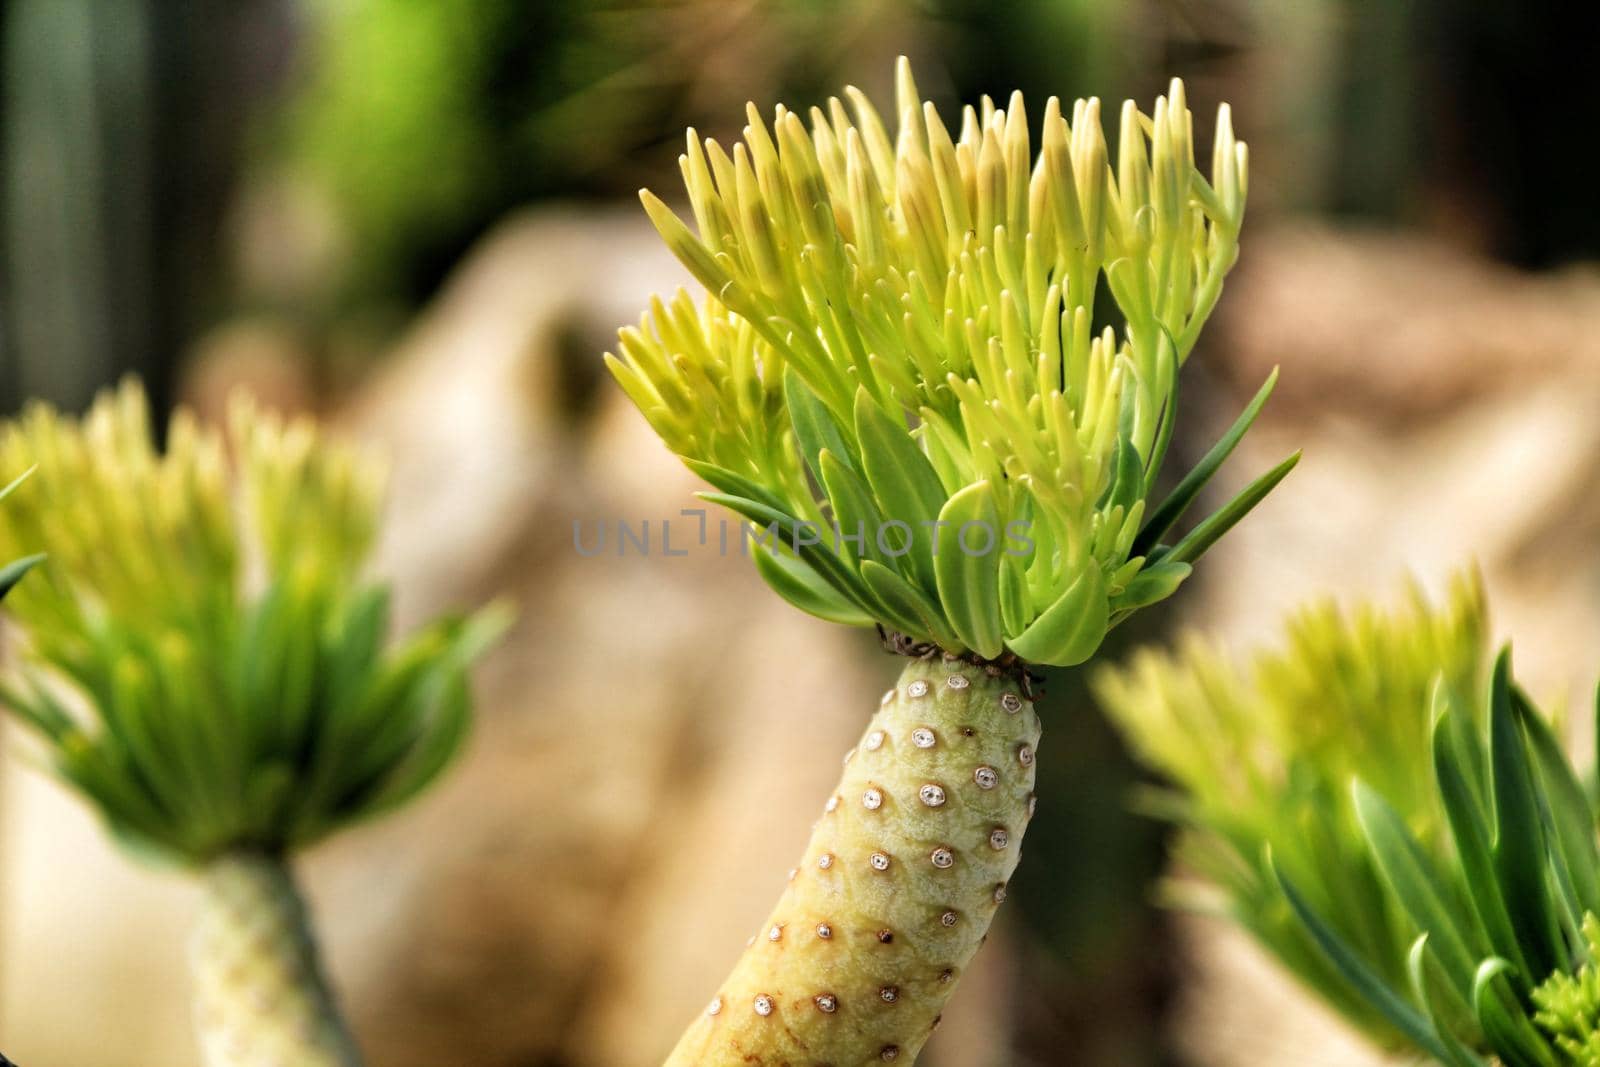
1170, 510
1519, 843
1069, 631
907, 487
734, 484
913, 610
1570, 816
1504, 1020
814, 425
1127, 479
856, 517
1151, 586
16, 570
1456, 759
1362, 978
819, 557
1195, 543
1428, 987
969, 577
800, 584
1409, 874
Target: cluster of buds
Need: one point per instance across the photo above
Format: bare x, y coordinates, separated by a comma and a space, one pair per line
899, 335
203, 657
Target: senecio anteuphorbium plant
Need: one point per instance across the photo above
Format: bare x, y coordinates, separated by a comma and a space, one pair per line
1385, 810
897, 346
205, 663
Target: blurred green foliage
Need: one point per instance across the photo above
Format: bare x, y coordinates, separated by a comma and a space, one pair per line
204, 658
1393, 819
1260, 757
425, 120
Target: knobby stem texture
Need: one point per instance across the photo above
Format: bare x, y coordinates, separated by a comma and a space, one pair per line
261, 998
899, 883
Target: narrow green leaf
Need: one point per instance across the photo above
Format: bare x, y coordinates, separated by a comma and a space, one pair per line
1196, 541
1151, 586
947, 451
39, 712
855, 513
1170, 510
1166, 358
1128, 402
734, 484
1420, 962
1068, 631
448, 728
13, 572
1571, 817
967, 567
1365, 981
1505, 1022
814, 425
1463, 735
1014, 602
906, 485
910, 605
820, 557
1519, 842
803, 587
1453, 756
1127, 477
11, 486
1410, 876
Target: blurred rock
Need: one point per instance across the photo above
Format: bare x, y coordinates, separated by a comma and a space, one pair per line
1393, 328
259, 356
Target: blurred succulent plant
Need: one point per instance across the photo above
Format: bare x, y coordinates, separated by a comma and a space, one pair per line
205, 664
898, 348
1391, 817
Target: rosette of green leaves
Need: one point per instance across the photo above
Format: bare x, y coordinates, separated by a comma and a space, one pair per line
1500, 913
1259, 756
898, 345
1440, 890
203, 657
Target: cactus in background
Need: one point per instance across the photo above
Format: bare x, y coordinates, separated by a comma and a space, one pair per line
1390, 815
898, 349
228, 657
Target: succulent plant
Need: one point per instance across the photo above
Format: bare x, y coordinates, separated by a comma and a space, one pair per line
1388, 813
204, 661
897, 378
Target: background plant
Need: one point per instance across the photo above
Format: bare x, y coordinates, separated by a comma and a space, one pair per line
204, 662
1392, 818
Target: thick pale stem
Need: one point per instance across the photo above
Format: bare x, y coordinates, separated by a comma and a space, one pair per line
261, 999
897, 888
